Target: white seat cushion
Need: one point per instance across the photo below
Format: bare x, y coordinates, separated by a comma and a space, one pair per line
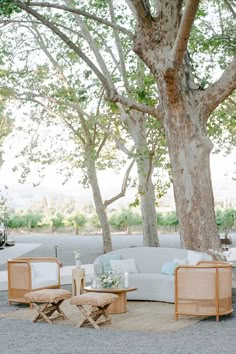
44, 274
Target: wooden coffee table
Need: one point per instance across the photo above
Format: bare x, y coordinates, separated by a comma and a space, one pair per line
119, 306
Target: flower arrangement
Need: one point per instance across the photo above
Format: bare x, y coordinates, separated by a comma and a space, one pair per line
218, 255
77, 259
109, 280
77, 255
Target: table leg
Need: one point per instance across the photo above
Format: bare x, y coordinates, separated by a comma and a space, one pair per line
120, 305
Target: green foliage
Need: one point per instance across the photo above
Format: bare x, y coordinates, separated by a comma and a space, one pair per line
160, 219
7, 8
32, 220
125, 219
5, 129
28, 220
222, 127
94, 220
167, 219
226, 219
57, 220
121, 220
212, 41
78, 221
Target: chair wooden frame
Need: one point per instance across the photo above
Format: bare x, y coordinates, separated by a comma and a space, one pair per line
92, 315
20, 277
92, 306
46, 310
203, 293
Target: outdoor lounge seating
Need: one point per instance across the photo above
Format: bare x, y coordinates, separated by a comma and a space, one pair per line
30, 274
204, 289
151, 269
51, 300
97, 303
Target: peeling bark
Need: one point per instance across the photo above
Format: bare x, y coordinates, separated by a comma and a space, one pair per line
185, 125
189, 155
100, 208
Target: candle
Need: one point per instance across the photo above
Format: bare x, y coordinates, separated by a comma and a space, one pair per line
94, 282
126, 279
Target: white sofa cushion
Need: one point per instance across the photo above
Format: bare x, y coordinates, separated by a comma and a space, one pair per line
151, 287
124, 265
44, 274
193, 257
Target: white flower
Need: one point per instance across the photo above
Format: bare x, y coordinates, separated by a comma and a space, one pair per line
219, 255
108, 279
77, 255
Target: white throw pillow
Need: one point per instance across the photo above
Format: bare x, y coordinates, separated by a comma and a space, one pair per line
124, 265
180, 261
193, 258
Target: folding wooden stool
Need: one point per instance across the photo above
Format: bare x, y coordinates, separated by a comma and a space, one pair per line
97, 305
51, 300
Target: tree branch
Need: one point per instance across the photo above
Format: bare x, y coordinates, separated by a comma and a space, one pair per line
85, 14
141, 8
95, 50
231, 100
119, 48
128, 102
118, 143
54, 63
180, 45
111, 93
123, 188
56, 115
101, 146
219, 90
227, 3
69, 43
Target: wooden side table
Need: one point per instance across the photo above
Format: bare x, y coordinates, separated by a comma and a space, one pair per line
78, 281
119, 306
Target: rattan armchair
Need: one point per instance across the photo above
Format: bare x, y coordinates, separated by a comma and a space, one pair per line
204, 289
29, 274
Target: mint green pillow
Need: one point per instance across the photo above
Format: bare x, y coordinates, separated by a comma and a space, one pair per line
106, 258
169, 268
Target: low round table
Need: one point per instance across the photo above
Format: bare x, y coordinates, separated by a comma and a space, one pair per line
119, 306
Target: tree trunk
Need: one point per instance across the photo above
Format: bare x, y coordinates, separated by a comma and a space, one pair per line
128, 230
100, 209
52, 228
184, 120
76, 229
137, 130
189, 154
147, 197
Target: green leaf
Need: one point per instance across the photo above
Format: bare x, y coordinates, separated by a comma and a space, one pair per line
7, 8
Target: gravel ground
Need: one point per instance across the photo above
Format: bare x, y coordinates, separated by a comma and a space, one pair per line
205, 337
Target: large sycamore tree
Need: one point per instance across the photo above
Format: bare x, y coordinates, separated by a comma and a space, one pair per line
160, 37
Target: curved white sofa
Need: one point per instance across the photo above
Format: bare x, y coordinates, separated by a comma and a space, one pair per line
151, 284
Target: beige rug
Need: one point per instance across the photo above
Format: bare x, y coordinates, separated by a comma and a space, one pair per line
141, 316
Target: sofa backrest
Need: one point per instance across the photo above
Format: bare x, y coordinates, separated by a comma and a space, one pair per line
150, 259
